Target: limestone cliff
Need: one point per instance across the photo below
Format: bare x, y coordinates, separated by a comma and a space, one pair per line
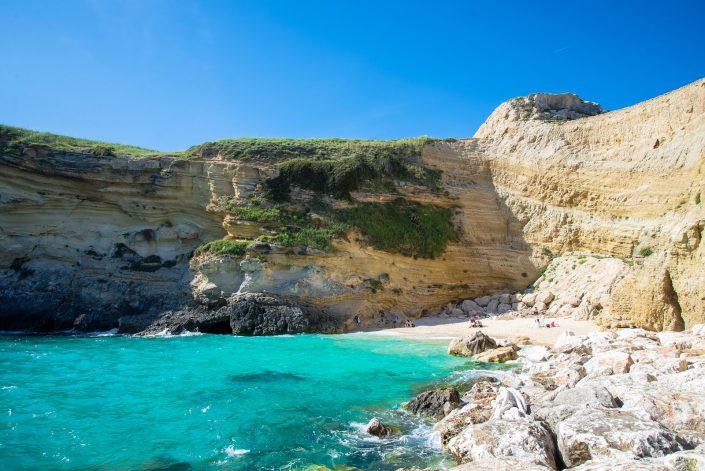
87, 238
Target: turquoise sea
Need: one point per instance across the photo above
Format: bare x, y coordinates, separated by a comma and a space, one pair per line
215, 402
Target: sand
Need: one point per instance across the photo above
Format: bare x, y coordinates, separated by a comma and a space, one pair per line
447, 328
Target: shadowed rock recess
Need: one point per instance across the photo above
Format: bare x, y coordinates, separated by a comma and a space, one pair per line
98, 236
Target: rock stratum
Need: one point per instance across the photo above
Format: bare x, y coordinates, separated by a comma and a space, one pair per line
94, 237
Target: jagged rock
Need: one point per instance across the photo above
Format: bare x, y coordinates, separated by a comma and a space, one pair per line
471, 345
498, 355
478, 409
612, 434
247, 314
505, 298
377, 428
525, 439
436, 403
539, 307
455, 312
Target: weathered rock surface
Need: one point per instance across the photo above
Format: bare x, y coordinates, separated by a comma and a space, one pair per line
471, 345
628, 399
436, 403
525, 439
377, 428
250, 314
498, 355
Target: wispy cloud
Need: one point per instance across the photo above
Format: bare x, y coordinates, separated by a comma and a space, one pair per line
562, 49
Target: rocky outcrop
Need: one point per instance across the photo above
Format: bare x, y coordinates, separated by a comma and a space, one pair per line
377, 428
471, 344
436, 403
498, 355
250, 314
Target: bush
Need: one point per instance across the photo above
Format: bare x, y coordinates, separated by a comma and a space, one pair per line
697, 198
646, 251
224, 247
340, 177
309, 236
254, 213
103, 151
400, 226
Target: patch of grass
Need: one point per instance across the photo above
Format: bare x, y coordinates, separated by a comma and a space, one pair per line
14, 139
309, 236
400, 226
224, 247
278, 150
697, 198
646, 251
254, 213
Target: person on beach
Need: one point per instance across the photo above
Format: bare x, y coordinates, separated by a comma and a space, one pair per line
357, 320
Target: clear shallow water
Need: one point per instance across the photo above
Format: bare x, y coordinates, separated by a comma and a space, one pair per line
214, 402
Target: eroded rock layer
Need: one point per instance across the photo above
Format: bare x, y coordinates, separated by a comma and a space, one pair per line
87, 239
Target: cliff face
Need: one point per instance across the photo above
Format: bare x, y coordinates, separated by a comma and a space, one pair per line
85, 240
626, 184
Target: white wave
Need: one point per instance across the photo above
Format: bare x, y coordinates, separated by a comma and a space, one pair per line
106, 333
188, 333
231, 451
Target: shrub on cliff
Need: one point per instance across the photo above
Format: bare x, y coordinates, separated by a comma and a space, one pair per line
223, 247
401, 226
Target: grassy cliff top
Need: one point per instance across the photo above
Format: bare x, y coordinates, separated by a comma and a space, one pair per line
12, 137
317, 149
263, 149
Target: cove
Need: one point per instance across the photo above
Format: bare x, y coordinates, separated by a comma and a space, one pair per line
216, 402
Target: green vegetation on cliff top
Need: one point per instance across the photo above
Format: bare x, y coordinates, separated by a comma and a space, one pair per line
12, 138
266, 149
277, 150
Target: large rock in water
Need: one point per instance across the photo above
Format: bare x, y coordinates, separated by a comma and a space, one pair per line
246, 314
377, 428
436, 403
471, 345
259, 314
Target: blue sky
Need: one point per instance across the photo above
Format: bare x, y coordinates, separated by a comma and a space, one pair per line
170, 74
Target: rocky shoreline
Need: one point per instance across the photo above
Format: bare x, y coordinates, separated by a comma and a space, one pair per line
625, 399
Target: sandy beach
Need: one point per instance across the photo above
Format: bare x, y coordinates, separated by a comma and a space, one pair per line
443, 327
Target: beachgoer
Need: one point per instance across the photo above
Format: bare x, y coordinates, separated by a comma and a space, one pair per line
553, 323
